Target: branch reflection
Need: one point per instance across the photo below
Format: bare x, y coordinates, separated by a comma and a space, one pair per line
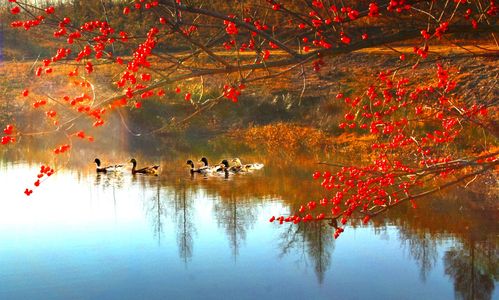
313, 241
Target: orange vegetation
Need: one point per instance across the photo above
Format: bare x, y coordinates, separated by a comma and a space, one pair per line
283, 137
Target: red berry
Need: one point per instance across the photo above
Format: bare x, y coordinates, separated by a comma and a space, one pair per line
345, 39
6, 140
349, 116
8, 129
15, 10
89, 67
50, 10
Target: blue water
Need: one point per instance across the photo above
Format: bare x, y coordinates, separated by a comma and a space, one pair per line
80, 236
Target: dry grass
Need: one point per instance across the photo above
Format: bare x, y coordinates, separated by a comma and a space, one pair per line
283, 137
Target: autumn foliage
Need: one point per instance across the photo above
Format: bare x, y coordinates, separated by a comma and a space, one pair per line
283, 138
417, 122
415, 148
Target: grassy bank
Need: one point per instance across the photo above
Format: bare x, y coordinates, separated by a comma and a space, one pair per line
301, 98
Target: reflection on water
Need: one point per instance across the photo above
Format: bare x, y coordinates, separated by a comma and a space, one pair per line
473, 266
115, 236
313, 241
422, 248
182, 213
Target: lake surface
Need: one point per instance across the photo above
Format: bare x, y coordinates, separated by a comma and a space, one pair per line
116, 236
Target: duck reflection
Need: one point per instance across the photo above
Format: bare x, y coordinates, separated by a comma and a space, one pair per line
106, 180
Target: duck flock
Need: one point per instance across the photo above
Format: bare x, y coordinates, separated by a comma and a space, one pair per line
202, 167
223, 167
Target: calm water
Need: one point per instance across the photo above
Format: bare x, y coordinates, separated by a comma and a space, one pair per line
88, 236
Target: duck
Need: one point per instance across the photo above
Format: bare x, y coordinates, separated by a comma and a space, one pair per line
212, 169
150, 170
225, 167
240, 167
100, 169
222, 167
202, 169
204, 160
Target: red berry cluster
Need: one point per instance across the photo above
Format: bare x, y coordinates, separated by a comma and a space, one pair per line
387, 112
61, 149
8, 137
233, 92
45, 171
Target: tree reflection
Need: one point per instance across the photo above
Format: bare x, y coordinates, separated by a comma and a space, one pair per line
422, 248
183, 208
473, 266
235, 214
174, 200
456, 215
313, 240
157, 211
235, 201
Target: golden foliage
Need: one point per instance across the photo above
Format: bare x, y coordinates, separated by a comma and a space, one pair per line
293, 138
283, 137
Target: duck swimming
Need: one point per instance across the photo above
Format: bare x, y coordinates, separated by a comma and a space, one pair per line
100, 169
225, 167
204, 160
151, 170
222, 168
240, 167
202, 170
213, 169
